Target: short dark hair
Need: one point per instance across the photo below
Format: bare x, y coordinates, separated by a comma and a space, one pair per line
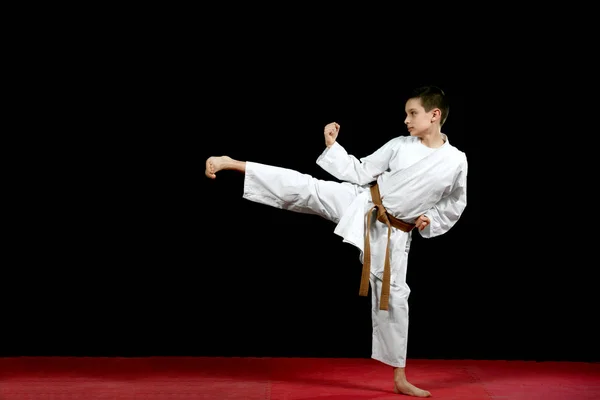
432, 97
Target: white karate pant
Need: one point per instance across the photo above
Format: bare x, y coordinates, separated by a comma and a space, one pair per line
291, 190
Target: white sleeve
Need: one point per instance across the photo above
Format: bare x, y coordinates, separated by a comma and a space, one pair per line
448, 210
346, 167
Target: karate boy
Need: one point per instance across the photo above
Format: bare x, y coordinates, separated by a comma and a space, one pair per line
412, 181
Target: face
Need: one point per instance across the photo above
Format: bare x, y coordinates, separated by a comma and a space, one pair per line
418, 121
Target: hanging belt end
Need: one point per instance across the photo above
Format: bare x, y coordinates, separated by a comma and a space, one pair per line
384, 302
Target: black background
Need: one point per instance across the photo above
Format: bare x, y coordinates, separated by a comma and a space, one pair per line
121, 246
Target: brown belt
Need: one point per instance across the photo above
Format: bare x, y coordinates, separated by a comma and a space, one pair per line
389, 220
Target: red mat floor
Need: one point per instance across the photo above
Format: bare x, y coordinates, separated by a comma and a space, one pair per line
217, 378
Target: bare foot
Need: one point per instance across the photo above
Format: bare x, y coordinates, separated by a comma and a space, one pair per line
215, 164
407, 388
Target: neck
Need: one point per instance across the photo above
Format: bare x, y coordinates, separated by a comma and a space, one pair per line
433, 139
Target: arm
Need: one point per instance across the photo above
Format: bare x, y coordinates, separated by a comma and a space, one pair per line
441, 217
346, 167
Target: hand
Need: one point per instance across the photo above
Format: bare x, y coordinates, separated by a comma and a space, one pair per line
422, 222
331, 132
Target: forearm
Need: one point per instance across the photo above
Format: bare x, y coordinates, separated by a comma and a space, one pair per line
344, 166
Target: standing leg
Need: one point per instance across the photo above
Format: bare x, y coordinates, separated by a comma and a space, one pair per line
390, 328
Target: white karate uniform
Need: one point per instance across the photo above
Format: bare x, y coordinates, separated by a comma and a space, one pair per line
413, 180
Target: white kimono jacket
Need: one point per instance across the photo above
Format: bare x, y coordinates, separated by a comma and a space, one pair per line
413, 180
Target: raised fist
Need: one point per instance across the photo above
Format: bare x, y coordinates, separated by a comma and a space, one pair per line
331, 133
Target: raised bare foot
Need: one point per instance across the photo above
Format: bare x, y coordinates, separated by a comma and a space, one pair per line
215, 164
407, 388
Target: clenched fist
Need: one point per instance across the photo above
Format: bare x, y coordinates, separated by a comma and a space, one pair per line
422, 222
331, 132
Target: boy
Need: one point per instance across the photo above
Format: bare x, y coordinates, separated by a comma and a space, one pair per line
416, 181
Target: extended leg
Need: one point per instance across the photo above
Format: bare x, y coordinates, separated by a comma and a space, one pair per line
288, 189
291, 190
